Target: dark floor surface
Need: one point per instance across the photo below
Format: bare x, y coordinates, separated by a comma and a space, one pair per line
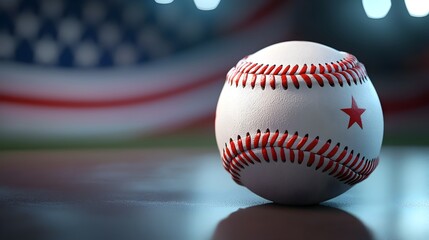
186, 194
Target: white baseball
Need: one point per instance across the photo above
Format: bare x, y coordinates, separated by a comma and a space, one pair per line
299, 123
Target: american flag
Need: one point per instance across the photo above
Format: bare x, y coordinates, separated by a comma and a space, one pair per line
121, 69
126, 69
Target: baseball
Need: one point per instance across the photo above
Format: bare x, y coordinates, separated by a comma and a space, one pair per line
299, 123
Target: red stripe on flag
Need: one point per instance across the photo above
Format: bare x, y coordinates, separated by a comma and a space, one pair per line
106, 103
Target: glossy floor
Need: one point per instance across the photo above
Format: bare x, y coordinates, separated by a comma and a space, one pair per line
186, 194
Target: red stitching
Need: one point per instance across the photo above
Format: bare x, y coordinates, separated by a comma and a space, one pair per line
272, 81
324, 147
292, 156
262, 70
313, 69
343, 164
311, 159
335, 168
303, 69
347, 70
277, 69
302, 142
282, 154
333, 151
312, 144
256, 140
295, 81
342, 155
292, 140
294, 69
283, 139
285, 70
263, 81
321, 162
284, 82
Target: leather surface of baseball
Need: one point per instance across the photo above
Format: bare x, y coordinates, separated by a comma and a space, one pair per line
299, 123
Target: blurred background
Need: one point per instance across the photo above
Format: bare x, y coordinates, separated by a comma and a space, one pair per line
148, 73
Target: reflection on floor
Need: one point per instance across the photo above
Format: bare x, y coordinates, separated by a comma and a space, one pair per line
185, 194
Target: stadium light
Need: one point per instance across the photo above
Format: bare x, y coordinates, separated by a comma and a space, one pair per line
164, 1
206, 5
376, 9
417, 8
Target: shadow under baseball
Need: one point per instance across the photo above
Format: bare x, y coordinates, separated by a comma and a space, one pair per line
272, 221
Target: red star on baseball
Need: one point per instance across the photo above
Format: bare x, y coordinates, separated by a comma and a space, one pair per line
355, 114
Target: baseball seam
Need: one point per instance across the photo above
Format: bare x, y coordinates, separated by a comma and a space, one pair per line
344, 164
347, 70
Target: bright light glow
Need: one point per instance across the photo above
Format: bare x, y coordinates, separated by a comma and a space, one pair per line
164, 1
206, 5
417, 8
376, 8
